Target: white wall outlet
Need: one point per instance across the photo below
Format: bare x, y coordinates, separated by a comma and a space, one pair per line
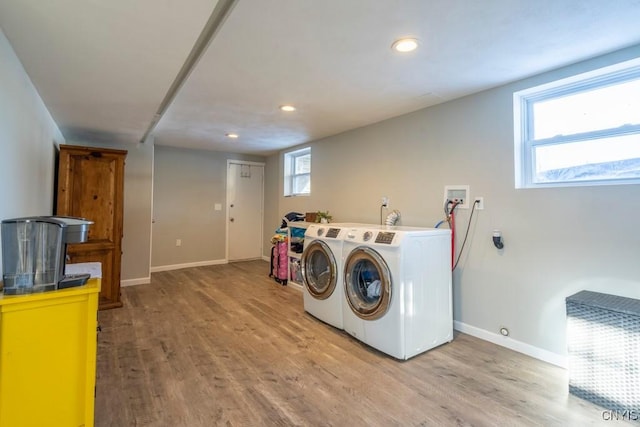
385, 201
217, 207
178, 242
458, 193
479, 201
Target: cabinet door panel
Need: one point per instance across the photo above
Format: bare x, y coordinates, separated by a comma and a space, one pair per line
93, 194
108, 296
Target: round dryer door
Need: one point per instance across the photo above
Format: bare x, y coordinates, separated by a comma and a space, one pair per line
319, 270
367, 282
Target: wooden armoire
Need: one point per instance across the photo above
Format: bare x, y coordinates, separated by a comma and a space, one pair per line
90, 184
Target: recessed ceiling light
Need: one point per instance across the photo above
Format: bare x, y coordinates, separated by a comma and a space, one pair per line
232, 135
287, 108
405, 45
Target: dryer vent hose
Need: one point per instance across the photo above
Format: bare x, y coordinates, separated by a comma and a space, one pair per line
393, 218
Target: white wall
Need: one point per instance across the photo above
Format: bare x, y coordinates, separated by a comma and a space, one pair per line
28, 137
557, 241
187, 184
272, 218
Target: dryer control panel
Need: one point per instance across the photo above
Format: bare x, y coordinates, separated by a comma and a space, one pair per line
385, 237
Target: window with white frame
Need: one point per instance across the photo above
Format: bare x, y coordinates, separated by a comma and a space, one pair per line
583, 130
297, 172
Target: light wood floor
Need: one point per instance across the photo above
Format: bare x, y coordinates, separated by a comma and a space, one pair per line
226, 345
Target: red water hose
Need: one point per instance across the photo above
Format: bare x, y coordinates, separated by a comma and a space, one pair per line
452, 225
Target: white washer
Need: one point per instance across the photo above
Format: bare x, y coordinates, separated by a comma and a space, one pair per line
321, 267
397, 286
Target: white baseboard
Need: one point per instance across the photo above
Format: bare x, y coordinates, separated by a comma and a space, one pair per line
510, 343
134, 282
188, 265
266, 258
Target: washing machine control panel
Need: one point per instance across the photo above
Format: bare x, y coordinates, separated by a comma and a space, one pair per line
320, 232
385, 237
333, 232
367, 236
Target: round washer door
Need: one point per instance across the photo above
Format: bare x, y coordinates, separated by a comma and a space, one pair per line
367, 282
319, 270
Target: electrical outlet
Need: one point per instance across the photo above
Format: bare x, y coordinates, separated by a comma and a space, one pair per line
178, 242
385, 201
479, 201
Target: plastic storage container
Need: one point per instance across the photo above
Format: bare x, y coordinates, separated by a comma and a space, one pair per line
603, 338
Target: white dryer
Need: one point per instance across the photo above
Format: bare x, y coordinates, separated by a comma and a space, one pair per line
397, 286
321, 267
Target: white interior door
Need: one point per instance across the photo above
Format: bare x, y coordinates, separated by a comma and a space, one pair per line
245, 189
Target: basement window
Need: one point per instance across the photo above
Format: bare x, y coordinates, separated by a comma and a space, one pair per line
297, 172
583, 130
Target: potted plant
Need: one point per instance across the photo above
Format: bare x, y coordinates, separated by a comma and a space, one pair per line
323, 217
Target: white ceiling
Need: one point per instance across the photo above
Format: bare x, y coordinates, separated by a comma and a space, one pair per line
103, 67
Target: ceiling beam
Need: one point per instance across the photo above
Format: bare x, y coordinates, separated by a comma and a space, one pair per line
218, 16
